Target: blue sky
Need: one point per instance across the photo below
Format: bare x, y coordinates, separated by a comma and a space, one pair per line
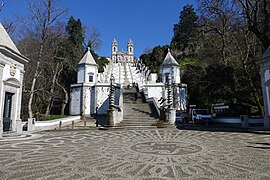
147, 22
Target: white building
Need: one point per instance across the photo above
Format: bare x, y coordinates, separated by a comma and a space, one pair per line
265, 82
87, 74
11, 77
170, 67
90, 94
123, 56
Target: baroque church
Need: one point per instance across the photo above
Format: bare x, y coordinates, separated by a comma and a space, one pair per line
90, 95
122, 56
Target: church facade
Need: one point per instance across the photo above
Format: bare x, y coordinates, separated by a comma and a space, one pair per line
123, 56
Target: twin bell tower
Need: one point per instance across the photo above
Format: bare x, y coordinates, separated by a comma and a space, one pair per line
119, 57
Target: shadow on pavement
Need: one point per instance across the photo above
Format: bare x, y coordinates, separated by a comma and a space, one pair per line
260, 145
100, 120
222, 128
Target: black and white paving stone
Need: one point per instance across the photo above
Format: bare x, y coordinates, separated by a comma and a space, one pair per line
136, 154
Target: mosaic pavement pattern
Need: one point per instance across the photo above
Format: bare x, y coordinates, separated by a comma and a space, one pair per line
137, 154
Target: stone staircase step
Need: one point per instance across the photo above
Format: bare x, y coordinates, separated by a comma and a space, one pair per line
136, 114
142, 122
138, 126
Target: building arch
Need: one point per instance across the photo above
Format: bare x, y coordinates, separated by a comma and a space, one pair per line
12, 82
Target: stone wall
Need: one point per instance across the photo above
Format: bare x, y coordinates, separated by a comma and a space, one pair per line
95, 98
75, 100
102, 97
158, 90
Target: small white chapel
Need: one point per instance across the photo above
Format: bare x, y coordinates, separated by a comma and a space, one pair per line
11, 79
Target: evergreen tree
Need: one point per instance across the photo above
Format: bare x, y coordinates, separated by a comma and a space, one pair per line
71, 53
72, 50
154, 59
185, 32
75, 31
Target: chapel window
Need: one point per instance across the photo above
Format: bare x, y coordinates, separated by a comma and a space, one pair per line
91, 77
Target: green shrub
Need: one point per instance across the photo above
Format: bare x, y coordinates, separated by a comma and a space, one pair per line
51, 117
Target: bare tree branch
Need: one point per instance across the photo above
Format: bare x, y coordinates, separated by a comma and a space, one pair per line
256, 14
2, 5
93, 38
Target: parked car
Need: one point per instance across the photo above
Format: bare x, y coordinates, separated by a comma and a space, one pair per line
201, 116
179, 118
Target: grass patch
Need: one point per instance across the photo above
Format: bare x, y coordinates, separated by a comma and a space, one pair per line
51, 117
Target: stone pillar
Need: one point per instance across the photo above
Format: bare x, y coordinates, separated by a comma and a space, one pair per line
83, 103
110, 111
111, 117
18, 118
31, 124
112, 93
169, 92
2, 65
19, 126
170, 114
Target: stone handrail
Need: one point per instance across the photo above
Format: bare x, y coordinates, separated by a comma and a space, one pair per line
131, 75
152, 100
156, 104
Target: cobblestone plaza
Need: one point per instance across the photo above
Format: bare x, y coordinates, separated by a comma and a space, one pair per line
136, 154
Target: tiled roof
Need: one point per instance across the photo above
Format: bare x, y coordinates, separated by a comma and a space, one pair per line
169, 60
88, 59
5, 40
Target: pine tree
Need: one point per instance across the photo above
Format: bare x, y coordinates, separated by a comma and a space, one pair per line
75, 31
72, 52
185, 32
73, 49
